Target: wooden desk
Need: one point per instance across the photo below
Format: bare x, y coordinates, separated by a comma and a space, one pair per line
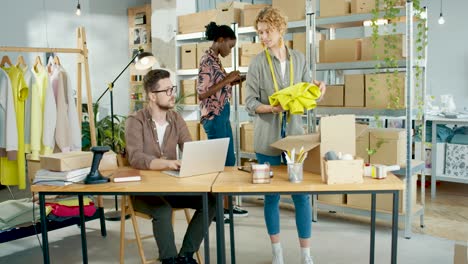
235, 182
152, 183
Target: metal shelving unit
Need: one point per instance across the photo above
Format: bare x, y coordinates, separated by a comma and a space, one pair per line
354, 20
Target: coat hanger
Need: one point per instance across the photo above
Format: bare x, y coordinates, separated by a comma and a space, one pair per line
5, 60
50, 63
20, 62
57, 60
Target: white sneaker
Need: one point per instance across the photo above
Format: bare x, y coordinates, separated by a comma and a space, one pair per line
307, 260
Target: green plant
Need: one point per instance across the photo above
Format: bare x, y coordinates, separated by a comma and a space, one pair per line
180, 100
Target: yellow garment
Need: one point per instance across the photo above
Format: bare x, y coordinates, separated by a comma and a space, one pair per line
297, 98
38, 93
73, 202
14, 172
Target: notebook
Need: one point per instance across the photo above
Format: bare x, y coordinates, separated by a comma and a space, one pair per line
202, 157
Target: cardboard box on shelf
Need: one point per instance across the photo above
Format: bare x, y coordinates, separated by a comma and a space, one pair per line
247, 137
194, 129
188, 56
381, 50
333, 97
354, 90
229, 12
340, 50
242, 93
362, 6
188, 88
195, 22
390, 146
332, 198
384, 202
330, 138
334, 8
299, 42
249, 14
362, 141
382, 96
294, 10
249, 51
202, 47
203, 135
66, 161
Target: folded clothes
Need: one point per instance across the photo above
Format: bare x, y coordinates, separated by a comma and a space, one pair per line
64, 211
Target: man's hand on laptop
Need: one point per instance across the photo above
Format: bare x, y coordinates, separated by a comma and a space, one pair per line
173, 164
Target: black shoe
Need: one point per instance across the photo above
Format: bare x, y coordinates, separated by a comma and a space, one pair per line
226, 220
173, 260
236, 212
186, 260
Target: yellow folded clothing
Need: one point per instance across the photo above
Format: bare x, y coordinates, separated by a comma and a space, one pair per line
73, 202
297, 98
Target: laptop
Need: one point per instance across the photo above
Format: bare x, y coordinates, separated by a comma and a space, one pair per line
202, 157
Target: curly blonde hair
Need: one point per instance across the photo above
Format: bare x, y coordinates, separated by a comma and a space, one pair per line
273, 18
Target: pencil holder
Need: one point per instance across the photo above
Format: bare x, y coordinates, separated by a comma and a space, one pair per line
295, 172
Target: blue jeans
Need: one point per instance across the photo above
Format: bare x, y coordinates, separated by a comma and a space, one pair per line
220, 127
271, 209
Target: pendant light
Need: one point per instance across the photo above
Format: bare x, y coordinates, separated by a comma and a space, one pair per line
441, 17
78, 9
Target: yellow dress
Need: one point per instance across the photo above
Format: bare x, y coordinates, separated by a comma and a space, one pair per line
38, 93
13, 172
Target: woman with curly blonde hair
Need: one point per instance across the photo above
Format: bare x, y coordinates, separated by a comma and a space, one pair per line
276, 68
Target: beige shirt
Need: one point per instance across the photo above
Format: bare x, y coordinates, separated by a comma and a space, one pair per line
141, 138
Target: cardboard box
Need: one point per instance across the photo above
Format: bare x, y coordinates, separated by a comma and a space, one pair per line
194, 129
379, 95
32, 167
460, 254
188, 56
340, 50
247, 137
243, 93
354, 90
202, 47
195, 22
67, 161
342, 171
188, 88
390, 144
362, 6
333, 97
294, 10
332, 198
362, 142
249, 14
427, 156
203, 135
299, 42
330, 138
379, 52
384, 202
456, 162
334, 7
248, 51
227, 13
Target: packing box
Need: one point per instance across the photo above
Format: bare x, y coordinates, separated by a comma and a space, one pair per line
332, 198
362, 6
203, 135
342, 171
67, 161
380, 51
456, 163
293, 9
390, 145
194, 129
188, 56
242, 93
229, 12
188, 88
331, 137
362, 142
334, 7
340, 50
32, 167
247, 137
249, 14
195, 22
384, 202
249, 51
299, 41
333, 97
379, 95
354, 90
460, 254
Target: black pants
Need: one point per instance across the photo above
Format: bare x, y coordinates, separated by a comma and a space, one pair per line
160, 208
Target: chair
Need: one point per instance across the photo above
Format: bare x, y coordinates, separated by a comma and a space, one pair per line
127, 208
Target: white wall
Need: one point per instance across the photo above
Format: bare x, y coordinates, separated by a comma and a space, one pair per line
52, 23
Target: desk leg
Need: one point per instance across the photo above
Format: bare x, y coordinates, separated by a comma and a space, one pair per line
231, 231
396, 195
372, 233
220, 246
206, 226
314, 208
84, 247
45, 240
102, 220
433, 159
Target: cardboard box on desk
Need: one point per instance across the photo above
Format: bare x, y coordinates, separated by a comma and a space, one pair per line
362, 141
67, 161
331, 137
390, 145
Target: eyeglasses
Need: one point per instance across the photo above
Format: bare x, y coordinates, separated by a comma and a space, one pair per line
168, 91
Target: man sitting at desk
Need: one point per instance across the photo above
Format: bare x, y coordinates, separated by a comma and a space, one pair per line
152, 135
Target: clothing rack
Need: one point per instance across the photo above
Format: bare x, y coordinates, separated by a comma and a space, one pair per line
82, 61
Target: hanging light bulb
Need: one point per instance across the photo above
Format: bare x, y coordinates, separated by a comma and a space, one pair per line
441, 17
78, 9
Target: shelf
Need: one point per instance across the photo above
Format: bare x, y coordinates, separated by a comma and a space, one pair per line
190, 107
352, 20
416, 167
247, 155
190, 36
449, 178
187, 72
360, 65
343, 208
358, 111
